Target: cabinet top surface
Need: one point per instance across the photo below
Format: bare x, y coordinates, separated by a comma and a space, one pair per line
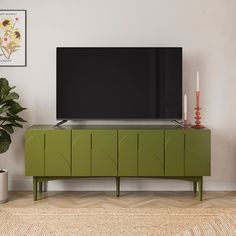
51, 127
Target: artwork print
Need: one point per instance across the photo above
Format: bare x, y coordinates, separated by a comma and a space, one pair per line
12, 38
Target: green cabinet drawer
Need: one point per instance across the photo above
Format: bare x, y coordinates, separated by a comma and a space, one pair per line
104, 153
34, 153
151, 153
197, 152
81, 152
174, 152
58, 153
127, 153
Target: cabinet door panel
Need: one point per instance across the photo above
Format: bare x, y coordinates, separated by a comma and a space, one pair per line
104, 153
81, 152
174, 153
151, 153
58, 153
34, 153
127, 153
197, 152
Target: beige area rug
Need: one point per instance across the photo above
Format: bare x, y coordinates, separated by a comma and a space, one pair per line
119, 221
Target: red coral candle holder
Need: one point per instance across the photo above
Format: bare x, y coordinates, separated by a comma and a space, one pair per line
197, 112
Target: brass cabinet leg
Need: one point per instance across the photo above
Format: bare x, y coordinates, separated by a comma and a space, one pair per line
117, 186
194, 186
35, 182
40, 186
200, 187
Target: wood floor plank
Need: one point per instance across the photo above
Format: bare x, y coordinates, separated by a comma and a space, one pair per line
126, 200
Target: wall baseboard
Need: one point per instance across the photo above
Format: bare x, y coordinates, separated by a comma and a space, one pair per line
126, 185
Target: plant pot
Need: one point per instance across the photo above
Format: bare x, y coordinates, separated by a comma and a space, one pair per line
3, 185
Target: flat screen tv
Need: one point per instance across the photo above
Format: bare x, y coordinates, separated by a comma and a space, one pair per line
119, 83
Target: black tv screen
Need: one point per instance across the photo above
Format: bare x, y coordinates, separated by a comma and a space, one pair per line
119, 83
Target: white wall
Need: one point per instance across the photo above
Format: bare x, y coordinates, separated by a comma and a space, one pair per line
204, 28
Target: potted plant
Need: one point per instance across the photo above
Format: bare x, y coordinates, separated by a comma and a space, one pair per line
9, 119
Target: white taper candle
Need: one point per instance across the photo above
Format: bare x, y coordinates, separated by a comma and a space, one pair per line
198, 81
185, 106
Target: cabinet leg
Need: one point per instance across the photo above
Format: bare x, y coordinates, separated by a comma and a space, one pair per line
45, 185
35, 183
200, 187
194, 186
40, 186
117, 186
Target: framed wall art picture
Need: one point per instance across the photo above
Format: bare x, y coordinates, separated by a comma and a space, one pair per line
12, 37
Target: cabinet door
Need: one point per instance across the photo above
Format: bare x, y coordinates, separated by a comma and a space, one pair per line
127, 153
197, 152
34, 153
81, 152
104, 153
174, 153
151, 153
58, 153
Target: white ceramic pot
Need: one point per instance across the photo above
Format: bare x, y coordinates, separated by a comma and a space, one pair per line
3, 186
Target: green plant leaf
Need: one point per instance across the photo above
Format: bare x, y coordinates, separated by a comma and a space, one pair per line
5, 141
12, 88
8, 128
14, 107
5, 118
11, 96
4, 88
4, 109
13, 123
8, 110
17, 118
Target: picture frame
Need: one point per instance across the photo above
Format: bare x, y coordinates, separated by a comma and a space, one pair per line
13, 38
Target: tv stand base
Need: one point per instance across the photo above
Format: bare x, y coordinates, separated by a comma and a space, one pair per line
60, 123
39, 182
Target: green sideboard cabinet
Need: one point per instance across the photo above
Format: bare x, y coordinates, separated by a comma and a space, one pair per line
117, 151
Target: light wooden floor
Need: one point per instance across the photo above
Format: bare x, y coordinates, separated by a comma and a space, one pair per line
126, 200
